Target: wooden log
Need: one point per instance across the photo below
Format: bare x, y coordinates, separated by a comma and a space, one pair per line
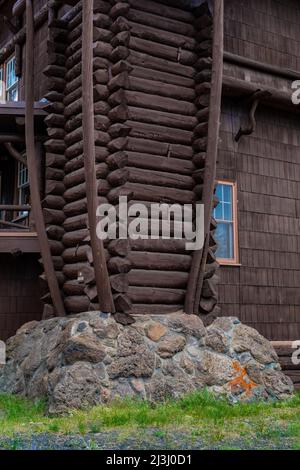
163, 10
91, 292
101, 274
124, 112
54, 174
55, 160
75, 270
118, 265
32, 170
55, 232
159, 246
194, 290
79, 191
54, 187
119, 247
77, 254
159, 103
155, 309
162, 65
159, 261
56, 133
71, 239
53, 202
154, 34
77, 304
76, 222
77, 162
159, 133
138, 175
55, 146
73, 288
157, 148
149, 162
157, 75
156, 295
151, 193
161, 22
80, 206
163, 279
53, 216
119, 282
78, 176
123, 80
56, 247
122, 303
163, 51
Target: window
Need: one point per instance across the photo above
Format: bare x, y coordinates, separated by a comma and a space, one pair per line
2, 98
8, 81
23, 187
226, 216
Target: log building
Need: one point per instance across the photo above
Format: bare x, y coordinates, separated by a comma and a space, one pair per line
124, 98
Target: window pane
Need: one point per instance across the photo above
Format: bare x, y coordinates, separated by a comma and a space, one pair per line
218, 212
227, 193
224, 237
12, 94
227, 212
219, 192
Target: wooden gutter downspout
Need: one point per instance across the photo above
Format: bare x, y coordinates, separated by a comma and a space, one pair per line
105, 298
32, 169
196, 276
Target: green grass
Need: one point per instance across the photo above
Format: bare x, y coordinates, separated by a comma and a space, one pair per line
199, 413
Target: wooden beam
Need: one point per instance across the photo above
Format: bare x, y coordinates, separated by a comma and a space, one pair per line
20, 37
261, 66
15, 153
101, 273
13, 225
32, 169
26, 242
196, 276
14, 207
237, 88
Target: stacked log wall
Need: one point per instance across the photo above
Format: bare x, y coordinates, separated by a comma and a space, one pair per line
153, 117
152, 71
79, 287
53, 203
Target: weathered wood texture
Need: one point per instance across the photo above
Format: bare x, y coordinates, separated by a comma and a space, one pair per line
264, 291
19, 292
146, 104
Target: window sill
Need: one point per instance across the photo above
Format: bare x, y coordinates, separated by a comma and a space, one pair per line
225, 263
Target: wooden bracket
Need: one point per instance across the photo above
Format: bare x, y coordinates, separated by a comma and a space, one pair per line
254, 101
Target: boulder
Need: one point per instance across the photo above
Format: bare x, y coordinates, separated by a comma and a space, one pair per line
88, 359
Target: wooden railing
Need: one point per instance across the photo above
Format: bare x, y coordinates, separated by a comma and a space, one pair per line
21, 222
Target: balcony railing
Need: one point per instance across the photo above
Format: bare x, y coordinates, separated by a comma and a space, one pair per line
20, 221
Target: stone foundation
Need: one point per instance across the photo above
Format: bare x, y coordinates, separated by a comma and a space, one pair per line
89, 358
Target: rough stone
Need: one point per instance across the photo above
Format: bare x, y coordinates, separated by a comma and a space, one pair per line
155, 331
170, 346
83, 347
88, 359
217, 340
245, 338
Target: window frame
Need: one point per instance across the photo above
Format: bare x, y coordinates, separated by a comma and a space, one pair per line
235, 261
14, 86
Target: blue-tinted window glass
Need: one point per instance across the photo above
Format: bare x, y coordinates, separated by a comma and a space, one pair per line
223, 214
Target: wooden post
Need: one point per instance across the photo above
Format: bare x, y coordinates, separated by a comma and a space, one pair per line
194, 289
101, 274
32, 169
